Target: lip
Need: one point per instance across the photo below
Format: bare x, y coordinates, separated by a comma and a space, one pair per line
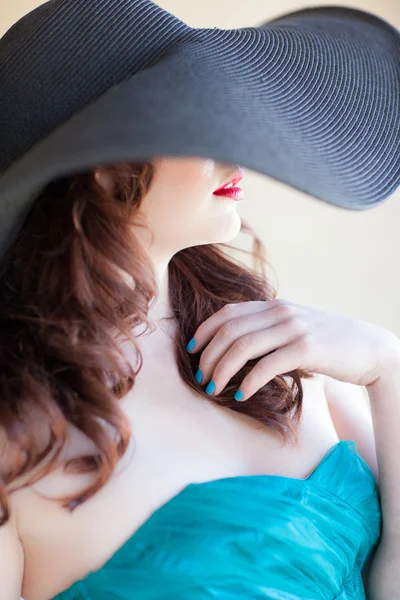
237, 176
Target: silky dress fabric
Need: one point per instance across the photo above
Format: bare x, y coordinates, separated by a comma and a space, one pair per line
255, 537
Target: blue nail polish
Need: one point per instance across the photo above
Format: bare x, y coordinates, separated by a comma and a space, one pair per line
238, 395
199, 376
191, 345
210, 387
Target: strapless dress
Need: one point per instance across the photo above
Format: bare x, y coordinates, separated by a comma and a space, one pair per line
252, 537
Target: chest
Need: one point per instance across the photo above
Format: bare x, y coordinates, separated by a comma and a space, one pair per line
178, 437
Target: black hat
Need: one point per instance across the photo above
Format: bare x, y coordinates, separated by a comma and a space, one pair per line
311, 98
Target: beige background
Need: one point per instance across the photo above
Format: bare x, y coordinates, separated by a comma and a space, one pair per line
322, 256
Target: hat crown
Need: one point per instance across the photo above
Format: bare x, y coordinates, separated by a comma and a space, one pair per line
65, 54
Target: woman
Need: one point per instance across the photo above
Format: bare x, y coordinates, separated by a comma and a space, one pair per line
64, 300
169, 428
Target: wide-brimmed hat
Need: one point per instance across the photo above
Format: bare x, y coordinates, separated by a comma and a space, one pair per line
311, 98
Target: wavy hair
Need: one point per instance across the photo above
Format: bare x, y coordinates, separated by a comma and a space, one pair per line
64, 301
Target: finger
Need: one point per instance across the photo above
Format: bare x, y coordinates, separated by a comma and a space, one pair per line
236, 334
296, 355
253, 345
206, 331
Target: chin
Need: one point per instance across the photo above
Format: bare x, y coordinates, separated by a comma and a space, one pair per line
223, 234
229, 230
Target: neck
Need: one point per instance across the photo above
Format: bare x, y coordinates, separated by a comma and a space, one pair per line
160, 308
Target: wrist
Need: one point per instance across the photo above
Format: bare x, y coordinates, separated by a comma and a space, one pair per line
389, 359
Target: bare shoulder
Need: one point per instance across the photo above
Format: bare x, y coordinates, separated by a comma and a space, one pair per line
11, 549
350, 411
11, 561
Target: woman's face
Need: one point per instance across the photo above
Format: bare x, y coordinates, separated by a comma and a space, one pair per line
180, 207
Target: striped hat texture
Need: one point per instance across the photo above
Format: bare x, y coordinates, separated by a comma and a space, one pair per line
311, 98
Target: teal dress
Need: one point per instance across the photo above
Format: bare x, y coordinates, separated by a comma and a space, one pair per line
252, 537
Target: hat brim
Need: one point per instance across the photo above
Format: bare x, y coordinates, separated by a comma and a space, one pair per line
311, 100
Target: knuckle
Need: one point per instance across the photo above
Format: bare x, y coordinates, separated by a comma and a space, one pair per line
257, 375
203, 366
204, 363
228, 329
299, 325
286, 311
228, 309
241, 344
219, 373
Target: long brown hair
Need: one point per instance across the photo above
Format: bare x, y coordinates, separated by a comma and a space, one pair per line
63, 297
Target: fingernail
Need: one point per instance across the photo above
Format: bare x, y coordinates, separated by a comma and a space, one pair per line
191, 345
210, 387
238, 395
199, 376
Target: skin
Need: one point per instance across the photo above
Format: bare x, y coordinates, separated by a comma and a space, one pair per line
182, 192
179, 437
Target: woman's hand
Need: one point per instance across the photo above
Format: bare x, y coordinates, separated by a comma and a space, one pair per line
288, 336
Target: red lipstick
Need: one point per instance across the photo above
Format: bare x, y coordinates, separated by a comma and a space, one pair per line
236, 193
